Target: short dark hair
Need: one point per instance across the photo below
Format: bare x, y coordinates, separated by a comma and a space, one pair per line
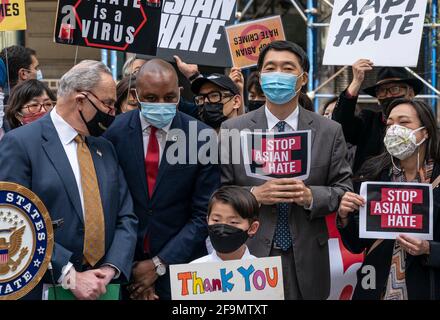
239, 198
285, 46
122, 91
18, 57
22, 93
328, 103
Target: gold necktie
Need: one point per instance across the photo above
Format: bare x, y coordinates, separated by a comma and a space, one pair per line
94, 239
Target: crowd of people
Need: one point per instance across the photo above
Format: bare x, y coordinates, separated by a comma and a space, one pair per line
97, 154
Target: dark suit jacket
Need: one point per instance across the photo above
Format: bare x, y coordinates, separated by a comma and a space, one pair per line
366, 130
329, 179
422, 272
175, 216
33, 156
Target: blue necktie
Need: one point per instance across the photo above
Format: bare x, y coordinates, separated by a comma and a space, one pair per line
282, 238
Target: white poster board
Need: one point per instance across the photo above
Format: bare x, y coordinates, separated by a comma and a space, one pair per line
396, 208
253, 279
388, 32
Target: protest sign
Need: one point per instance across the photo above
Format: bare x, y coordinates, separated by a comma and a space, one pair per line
253, 279
272, 155
125, 25
388, 32
343, 264
192, 30
12, 15
246, 40
396, 208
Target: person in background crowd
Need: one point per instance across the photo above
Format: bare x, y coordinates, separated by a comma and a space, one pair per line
366, 130
75, 172
125, 101
328, 108
3, 83
132, 65
218, 99
22, 64
232, 219
170, 199
256, 98
29, 101
292, 211
407, 268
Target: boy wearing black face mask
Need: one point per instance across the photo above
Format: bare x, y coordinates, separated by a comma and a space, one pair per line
232, 219
367, 129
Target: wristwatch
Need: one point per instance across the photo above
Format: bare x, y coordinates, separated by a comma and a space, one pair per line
160, 267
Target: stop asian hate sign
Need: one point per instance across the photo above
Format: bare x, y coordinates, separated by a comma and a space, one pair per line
276, 155
396, 208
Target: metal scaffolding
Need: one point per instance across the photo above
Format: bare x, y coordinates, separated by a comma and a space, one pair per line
430, 45
310, 14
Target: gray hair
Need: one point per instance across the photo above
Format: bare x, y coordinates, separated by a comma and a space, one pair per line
126, 69
82, 77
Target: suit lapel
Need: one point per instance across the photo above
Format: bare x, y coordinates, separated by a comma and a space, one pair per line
137, 151
56, 154
99, 165
305, 122
259, 120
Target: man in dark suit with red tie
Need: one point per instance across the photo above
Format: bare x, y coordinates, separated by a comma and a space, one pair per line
170, 199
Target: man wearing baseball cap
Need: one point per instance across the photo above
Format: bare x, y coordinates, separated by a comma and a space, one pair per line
367, 130
218, 99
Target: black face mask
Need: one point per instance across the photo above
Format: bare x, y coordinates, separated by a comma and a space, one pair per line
212, 114
225, 238
385, 103
99, 123
255, 104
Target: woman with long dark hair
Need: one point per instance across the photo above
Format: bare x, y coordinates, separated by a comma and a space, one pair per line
407, 268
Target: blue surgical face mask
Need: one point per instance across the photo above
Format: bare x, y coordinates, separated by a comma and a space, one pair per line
158, 115
39, 75
279, 87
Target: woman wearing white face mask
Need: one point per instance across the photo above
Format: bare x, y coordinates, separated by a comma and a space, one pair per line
407, 268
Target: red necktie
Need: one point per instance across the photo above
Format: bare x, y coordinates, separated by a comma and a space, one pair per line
152, 160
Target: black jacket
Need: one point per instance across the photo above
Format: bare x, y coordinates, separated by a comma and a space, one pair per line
366, 131
422, 272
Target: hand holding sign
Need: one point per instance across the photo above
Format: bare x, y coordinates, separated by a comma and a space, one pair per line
350, 202
285, 190
359, 68
413, 246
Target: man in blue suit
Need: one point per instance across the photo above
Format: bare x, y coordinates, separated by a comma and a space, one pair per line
76, 174
170, 199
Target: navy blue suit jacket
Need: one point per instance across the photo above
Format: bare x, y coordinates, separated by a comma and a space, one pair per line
175, 216
33, 156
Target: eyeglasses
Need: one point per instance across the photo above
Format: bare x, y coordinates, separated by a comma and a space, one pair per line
213, 97
36, 107
110, 106
396, 90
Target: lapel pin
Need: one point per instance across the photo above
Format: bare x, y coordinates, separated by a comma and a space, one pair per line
174, 138
99, 153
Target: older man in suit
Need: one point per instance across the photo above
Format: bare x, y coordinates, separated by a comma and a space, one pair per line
292, 216
170, 199
76, 174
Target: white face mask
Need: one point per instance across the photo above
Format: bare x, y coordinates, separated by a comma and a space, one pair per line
401, 142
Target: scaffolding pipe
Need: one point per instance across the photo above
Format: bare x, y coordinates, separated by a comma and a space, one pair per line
300, 11
434, 9
245, 9
322, 85
104, 56
426, 83
367, 97
310, 47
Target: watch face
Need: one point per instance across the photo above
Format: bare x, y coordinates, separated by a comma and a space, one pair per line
161, 270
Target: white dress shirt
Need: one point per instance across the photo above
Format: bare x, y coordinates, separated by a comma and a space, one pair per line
67, 136
291, 120
161, 135
291, 125
213, 257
